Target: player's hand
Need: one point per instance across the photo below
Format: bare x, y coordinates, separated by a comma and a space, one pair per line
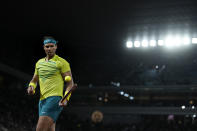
64, 103
30, 90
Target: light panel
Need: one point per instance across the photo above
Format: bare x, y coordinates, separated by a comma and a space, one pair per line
186, 40
137, 44
194, 40
129, 44
153, 43
172, 40
161, 42
144, 43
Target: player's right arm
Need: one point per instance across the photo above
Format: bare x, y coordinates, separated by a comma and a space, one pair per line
32, 85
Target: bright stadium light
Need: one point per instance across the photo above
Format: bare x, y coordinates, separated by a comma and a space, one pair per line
129, 44
177, 41
137, 44
194, 40
153, 43
186, 41
160, 42
169, 42
144, 43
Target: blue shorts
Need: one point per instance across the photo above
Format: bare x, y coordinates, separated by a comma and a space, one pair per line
50, 107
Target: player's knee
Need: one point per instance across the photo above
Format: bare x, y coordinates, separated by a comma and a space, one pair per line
44, 124
38, 128
42, 127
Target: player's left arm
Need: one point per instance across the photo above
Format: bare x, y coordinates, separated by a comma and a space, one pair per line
70, 83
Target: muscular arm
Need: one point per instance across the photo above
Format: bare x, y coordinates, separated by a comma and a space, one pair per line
34, 79
70, 83
30, 89
69, 86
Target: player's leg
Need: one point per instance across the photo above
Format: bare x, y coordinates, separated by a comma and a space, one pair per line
45, 123
53, 127
49, 111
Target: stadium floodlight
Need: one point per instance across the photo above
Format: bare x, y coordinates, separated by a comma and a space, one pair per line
137, 44
129, 44
160, 42
144, 43
153, 43
177, 41
169, 42
194, 40
186, 41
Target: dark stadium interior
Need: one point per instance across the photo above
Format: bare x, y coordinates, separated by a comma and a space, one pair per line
127, 89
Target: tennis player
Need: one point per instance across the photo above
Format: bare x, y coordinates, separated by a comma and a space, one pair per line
50, 73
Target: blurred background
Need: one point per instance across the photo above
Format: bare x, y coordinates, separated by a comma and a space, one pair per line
134, 61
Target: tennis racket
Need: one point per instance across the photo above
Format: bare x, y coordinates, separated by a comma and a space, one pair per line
70, 91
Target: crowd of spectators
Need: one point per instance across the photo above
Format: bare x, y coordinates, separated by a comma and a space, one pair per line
18, 112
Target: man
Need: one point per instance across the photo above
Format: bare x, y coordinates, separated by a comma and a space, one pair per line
50, 73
